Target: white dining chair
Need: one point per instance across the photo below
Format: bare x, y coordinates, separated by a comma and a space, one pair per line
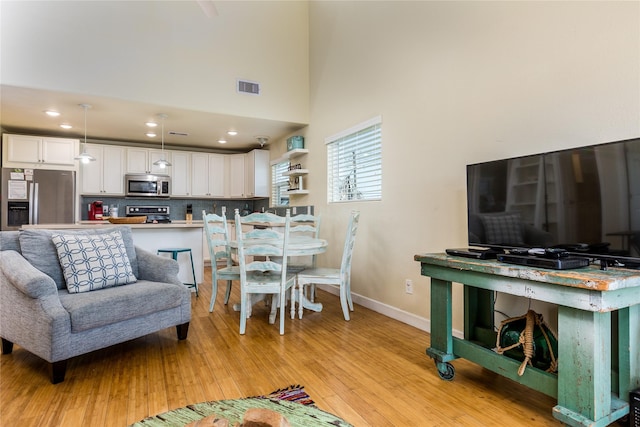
262, 255
217, 234
340, 277
303, 225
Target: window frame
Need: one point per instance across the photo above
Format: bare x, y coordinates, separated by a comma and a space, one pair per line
364, 140
279, 182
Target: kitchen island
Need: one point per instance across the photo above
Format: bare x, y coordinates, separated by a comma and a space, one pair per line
152, 237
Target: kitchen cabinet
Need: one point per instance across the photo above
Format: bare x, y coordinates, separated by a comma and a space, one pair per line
257, 170
180, 173
140, 160
207, 175
248, 174
37, 152
236, 176
105, 176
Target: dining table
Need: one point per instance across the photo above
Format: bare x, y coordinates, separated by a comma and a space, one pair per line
298, 246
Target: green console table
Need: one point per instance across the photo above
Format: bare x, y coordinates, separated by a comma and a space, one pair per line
598, 330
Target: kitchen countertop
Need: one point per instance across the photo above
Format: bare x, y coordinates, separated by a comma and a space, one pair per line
104, 224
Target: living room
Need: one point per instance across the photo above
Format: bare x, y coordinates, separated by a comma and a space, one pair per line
455, 83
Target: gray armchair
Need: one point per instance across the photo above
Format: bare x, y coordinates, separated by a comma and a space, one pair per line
39, 314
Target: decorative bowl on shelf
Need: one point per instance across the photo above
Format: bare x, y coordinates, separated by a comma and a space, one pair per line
128, 220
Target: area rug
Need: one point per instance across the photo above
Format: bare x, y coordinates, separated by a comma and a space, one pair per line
292, 401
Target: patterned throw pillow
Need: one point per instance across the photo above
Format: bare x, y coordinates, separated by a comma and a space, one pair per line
503, 229
91, 262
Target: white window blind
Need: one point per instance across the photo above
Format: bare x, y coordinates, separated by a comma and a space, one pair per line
354, 163
279, 184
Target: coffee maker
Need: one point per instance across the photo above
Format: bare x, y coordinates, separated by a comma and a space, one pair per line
95, 210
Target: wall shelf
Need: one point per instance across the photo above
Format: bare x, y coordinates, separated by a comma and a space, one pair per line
296, 172
298, 192
291, 154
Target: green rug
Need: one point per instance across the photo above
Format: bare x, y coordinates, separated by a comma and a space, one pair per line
293, 402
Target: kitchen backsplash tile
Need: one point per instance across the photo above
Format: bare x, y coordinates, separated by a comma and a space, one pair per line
178, 207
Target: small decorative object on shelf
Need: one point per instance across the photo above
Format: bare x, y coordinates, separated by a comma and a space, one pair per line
295, 142
295, 183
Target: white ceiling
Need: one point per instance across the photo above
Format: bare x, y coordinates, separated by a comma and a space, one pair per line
109, 119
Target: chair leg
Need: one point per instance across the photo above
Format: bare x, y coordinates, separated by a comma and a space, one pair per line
348, 293
182, 331
7, 346
214, 293
283, 304
274, 308
293, 299
193, 271
57, 371
228, 293
243, 314
300, 299
343, 301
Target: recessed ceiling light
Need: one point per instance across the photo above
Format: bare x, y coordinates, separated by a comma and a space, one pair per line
232, 132
65, 126
222, 141
51, 113
151, 124
150, 134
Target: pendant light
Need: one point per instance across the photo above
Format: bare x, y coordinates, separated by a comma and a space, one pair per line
85, 157
162, 162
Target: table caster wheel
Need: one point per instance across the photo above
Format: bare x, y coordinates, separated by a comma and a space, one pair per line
446, 371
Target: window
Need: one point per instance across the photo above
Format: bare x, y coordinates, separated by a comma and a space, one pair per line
354, 163
279, 184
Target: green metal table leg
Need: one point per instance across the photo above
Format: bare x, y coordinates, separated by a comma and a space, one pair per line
628, 350
584, 367
441, 349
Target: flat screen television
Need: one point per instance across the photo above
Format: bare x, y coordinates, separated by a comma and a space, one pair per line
586, 198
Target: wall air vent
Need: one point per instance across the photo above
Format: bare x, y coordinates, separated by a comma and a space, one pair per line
173, 132
252, 88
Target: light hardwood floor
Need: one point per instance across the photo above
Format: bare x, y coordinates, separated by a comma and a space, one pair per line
371, 371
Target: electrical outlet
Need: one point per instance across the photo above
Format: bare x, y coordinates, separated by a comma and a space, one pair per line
408, 286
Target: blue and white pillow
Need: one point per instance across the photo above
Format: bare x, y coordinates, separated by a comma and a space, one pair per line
91, 262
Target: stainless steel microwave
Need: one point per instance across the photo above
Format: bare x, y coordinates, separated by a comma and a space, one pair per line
144, 185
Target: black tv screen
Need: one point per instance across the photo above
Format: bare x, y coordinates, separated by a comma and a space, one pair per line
587, 197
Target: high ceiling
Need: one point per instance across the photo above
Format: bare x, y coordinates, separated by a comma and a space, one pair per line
109, 119
133, 61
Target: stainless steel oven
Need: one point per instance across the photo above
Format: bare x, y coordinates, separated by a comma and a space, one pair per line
144, 185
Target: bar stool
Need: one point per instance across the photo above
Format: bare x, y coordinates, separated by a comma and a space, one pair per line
174, 254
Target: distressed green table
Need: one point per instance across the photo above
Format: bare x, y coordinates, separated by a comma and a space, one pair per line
598, 330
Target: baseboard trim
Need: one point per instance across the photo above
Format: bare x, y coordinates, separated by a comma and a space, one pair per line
395, 313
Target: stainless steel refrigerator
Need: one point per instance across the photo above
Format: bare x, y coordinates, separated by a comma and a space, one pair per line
37, 196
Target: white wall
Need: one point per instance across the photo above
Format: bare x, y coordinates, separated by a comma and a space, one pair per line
457, 83
163, 52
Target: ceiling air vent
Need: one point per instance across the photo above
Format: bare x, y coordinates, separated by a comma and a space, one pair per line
173, 132
246, 86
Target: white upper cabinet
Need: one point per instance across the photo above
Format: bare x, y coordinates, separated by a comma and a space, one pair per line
257, 172
207, 175
105, 176
248, 174
140, 160
37, 152
236, 176
180, 173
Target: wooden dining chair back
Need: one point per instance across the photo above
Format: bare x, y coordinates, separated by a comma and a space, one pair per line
340, 277
262, 255
216, 230
303, 225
